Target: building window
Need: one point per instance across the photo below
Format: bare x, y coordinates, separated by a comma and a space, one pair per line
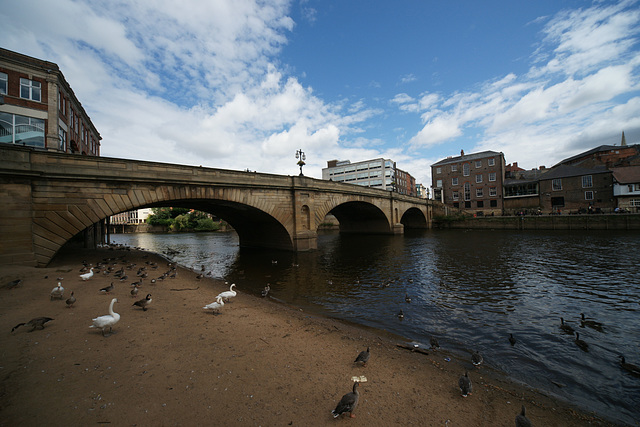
479, 192
556, 184
455, 195
456, 205
30, 89
587, 181
478, 179
438, 171
467, 191
454, 181
439, 183
63, 139
480, 203
467, 205
492, 176
4, 83
62, 103
454, 168
22, 130
478, 164
493, 203
466, 169
491, 162
493, 191
634, 203
588, 195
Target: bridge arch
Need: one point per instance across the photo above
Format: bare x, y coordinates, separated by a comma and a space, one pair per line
360, 217
414, 218
255, 227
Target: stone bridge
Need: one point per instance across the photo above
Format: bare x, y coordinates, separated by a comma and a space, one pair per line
48, 198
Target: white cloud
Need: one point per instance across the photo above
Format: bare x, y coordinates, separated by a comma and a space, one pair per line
201, 82
437, 130
189, 83
409, 78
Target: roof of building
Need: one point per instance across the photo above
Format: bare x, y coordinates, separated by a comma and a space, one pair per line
627, 175
600, 149
567, 171
467, 157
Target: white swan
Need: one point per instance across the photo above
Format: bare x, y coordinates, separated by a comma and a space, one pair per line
228, 294
108, 320
88, 275
57, 292
215, 306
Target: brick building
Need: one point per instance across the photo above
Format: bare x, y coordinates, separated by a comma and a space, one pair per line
405, 183
572, 189
472, 182
39, 109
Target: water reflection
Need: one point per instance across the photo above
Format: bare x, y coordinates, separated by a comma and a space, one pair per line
470, 290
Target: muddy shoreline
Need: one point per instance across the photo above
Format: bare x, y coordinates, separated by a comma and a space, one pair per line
258, 362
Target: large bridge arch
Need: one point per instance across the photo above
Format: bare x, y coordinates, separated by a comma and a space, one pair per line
255, 227
361, 217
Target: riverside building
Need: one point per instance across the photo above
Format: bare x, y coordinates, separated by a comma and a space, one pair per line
376, 173
471, 182
39, 109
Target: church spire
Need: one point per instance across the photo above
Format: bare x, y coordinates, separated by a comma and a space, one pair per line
624, 141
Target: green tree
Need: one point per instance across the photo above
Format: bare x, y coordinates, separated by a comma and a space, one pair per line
181, 222
207, 224
182, 219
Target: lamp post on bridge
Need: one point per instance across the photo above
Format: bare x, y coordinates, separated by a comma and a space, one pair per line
300, 155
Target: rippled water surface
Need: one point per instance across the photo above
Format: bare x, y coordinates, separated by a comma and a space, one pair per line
470, 289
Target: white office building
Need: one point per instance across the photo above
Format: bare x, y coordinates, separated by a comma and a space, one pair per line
376, 173
138, 216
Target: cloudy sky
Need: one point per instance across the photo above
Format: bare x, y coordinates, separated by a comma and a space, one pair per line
243, 84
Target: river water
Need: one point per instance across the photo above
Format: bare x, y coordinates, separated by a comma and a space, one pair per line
470, 289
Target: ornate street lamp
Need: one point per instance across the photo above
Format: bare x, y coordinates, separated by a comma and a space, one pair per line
300, 155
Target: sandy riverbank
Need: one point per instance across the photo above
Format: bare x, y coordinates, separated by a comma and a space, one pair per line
256, 363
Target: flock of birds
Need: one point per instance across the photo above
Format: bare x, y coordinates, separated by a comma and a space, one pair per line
565, 327
347, 403
107, 267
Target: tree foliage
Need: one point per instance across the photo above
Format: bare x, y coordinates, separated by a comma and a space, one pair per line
181, 219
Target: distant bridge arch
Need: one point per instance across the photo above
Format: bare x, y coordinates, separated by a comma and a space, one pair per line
50, 197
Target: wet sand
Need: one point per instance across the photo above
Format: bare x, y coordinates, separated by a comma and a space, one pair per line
258, 362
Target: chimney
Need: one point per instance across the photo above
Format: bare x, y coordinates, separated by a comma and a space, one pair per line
461, 152
515, 164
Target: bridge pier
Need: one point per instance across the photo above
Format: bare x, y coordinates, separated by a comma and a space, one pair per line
397, 229
305, 241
